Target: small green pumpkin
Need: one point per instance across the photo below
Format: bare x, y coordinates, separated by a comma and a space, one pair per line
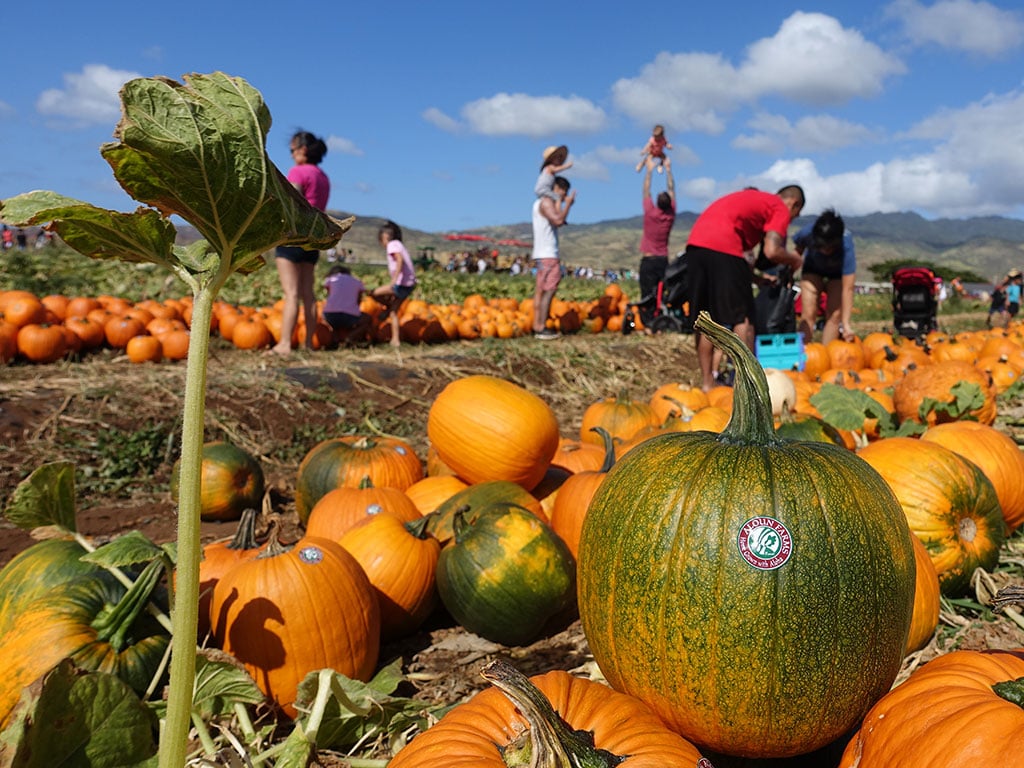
756, 592
505, 574
231, 481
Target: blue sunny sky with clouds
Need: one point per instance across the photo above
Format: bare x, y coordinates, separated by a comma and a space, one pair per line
436, 114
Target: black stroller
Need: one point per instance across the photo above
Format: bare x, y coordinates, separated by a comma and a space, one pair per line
914, 306
670, 302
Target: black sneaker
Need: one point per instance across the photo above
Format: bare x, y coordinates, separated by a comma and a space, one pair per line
546, 334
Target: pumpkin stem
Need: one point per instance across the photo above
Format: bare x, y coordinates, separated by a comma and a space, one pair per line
114, 626
751, 422
609, 449
274, 546
418, 528
366, 482
459, 523
549, 742
1011, 690
245, 536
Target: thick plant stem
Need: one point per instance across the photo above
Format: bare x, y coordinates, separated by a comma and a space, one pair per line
185, 610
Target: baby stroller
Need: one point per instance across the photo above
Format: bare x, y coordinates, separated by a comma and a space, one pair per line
914, 305
670, 302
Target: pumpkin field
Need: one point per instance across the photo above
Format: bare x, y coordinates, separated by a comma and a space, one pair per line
117, 423
471, 547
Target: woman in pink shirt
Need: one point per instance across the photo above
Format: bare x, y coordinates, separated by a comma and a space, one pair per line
296, 266
402, 272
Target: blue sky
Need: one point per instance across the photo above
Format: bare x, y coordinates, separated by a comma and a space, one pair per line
436, 114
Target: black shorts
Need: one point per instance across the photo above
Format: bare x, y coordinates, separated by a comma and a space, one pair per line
1012, 308
720, 284
338, 320
403, 292
297, 255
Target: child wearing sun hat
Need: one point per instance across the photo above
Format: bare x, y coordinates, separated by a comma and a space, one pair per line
556, 160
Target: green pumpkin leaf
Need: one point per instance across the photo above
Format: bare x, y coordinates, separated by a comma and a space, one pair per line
70, 717
197, 149
350, 711
97, 232
967, 397
46, 497
131, 548
846, 408
220, 685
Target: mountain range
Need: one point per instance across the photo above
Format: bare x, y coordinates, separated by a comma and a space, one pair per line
987, 246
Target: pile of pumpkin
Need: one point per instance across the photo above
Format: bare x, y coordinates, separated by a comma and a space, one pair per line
743, 594
49, 328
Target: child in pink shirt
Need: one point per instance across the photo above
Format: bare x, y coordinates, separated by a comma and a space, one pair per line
654, 150
402, 272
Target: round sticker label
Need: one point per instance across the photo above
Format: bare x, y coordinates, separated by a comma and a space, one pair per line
765, 543
311, 555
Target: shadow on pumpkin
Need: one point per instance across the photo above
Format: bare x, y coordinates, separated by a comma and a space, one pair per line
248, 638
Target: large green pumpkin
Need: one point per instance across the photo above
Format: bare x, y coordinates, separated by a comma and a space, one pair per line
231, 481
93, 621
505, 574
45, 566
756, 592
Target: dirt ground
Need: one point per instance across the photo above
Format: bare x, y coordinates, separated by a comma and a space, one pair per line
90, 412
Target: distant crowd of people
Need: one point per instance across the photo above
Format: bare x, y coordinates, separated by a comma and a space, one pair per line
18, 238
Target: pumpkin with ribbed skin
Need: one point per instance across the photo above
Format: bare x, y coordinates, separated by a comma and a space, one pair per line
926, 599
473, 734
948, 502
577, 456
936, 382
231, 480
995, 453
389, 462
45, 566
961, 709
292, 610
400, 560
505, 574
477, 497
621, 416
431, 492
574, 496
675, 398
486, 428
94, 621
340, 509
757, 593
219, 557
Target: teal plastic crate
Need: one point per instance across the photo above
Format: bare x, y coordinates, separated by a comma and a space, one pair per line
784, 351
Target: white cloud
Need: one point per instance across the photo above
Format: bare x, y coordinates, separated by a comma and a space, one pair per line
343, 146
814, 133
812, 59
439, 119
683, 91
89, 96
518, 114
977, 27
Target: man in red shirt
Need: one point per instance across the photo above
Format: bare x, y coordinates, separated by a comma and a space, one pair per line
720, 276
658, 220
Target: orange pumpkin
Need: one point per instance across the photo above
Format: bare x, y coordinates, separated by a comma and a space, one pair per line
144, 349
937, 382
577, 456
926, 599
573, 497
293, 610
953, 712
675, 397
948, 503
219, 557
621, 416
998, 456
473, 734
400, 560
487, 428
338, 510
430, 492
41, 343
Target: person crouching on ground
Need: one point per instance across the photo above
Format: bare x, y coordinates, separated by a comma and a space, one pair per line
341, 309
829, 258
